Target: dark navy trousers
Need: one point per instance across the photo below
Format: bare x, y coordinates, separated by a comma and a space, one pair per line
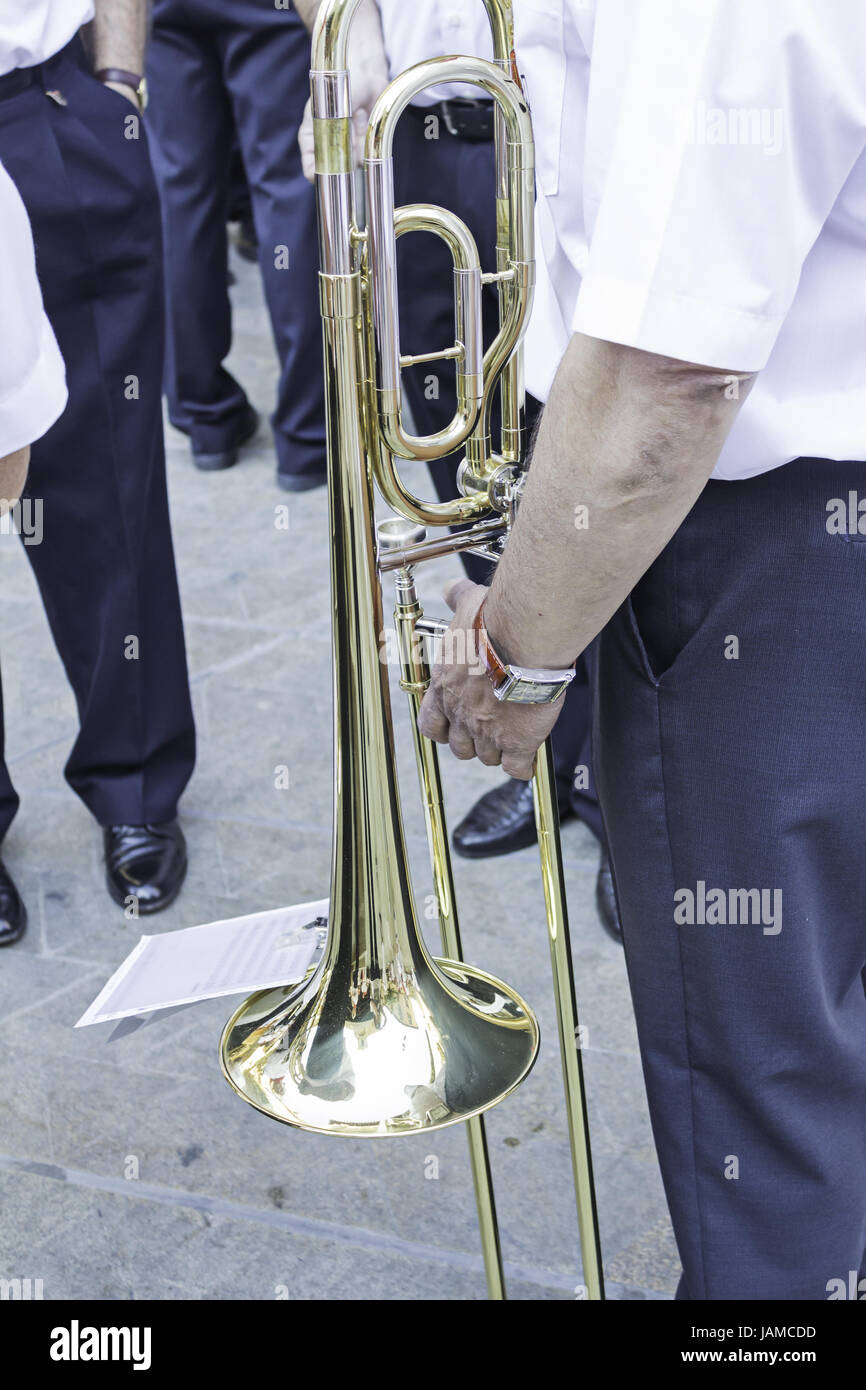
105, 566
730, 749
459, 174
213, 66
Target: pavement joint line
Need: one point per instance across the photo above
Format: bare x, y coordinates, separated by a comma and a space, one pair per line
139, 1070
70, 960
612, 1051
259, 822
244, 625
233, 662
413, 838
42, 747
225, 879
47, 998
32, 790
354, 1236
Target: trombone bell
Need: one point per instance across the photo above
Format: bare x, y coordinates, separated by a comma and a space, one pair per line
422, 1047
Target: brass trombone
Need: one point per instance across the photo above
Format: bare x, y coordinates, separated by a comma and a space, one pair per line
383, 1040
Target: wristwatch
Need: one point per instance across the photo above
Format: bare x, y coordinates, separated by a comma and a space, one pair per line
126, 79
524, 685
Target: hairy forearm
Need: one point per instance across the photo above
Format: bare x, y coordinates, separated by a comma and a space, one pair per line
632, 439
118, 34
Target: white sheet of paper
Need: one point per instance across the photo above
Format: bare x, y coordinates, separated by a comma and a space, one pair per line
234, 956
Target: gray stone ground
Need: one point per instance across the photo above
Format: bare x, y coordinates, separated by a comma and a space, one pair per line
227, 1204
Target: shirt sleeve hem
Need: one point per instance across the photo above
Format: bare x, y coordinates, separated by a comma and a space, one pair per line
672, 325
27, 412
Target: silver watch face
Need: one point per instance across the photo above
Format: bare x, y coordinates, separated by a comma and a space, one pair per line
524, 686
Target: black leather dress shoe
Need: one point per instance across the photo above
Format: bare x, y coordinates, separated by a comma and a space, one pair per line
212, 462
605, 899
13, 913
145, 862
500, 822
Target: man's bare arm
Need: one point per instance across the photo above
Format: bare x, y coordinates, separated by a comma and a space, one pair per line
13, 476
630, 437
117, 35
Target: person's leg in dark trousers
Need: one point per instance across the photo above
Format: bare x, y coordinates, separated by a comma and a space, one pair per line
266, 63
572, 747
9, 798
105, 565
729, 756
189, 118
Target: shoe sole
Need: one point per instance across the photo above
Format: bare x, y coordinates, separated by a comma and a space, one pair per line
215, 463
299, 482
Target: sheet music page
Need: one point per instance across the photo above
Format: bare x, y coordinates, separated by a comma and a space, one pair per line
234, 956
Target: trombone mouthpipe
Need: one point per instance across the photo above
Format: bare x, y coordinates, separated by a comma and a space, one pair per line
332, 139
331, 34
469, 333
329, 94
382, 251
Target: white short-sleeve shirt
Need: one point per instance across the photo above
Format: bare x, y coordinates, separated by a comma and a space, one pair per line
702, 195
32, 31
417, 29
32, 376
